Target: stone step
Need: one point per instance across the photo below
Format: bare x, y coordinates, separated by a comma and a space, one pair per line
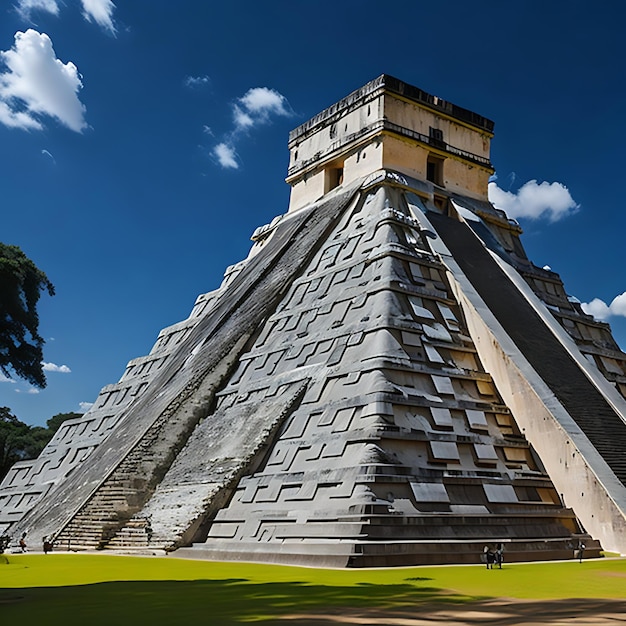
395, 554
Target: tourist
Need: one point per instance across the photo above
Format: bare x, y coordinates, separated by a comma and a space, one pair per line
488, 557
499, 554
580, 551
47, 545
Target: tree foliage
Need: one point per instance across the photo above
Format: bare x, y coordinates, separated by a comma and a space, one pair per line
54, 423
12, 439
20, 442
21, 346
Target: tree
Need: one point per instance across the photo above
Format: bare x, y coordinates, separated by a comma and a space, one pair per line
21, 442
21, 346
54, 423
13, 435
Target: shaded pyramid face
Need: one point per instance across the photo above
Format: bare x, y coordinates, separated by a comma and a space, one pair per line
360, 427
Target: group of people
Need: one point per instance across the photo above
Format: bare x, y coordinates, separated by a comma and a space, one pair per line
493, 556
47, 544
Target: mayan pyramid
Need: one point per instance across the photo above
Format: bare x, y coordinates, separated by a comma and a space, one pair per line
387, 379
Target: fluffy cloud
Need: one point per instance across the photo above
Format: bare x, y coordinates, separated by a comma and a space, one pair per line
31, 391
534, 201
6, 379
25, 7
16, 119
38, 84
226, 156
257, 106
602, 311
242, 119
98, 11
85, 406
101, 12
53, 367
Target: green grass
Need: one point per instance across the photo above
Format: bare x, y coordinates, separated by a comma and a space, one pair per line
105, 589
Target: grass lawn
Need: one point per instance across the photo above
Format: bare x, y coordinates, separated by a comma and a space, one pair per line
98, 589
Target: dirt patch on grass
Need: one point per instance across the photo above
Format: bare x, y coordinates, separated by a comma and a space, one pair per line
498, 612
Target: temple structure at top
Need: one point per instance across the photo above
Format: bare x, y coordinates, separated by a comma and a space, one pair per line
388, 124
386, 379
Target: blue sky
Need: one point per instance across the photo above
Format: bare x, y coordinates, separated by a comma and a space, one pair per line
143, 141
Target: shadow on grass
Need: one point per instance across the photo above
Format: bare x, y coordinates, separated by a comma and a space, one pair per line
232, 601
239, 601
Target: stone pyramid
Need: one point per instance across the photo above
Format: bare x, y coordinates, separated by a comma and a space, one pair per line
385, 380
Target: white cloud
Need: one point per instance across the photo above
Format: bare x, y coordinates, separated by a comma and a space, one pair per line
602, 311
533, 200
194, 82
257, 105
49, 154
618, 306
53, 367
6, 379
25, 7
98, 11
85, 406
226, 156
263, 100
101, 12
241, 118
30, 391
38, 84
598, 308
16, 119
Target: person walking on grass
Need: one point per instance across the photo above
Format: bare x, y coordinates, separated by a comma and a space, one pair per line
489, 557
499, 554
47, 545
580, 551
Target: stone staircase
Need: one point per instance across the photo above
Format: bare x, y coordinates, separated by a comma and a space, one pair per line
117, 499
136, 535
98, 520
